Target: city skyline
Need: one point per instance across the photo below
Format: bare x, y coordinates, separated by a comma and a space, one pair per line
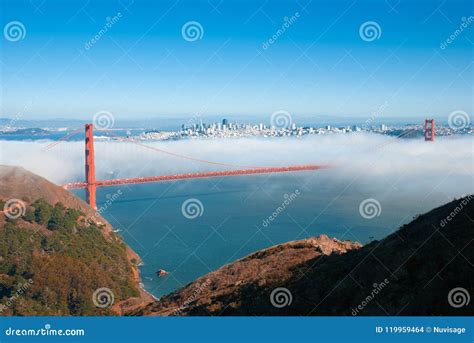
138, 60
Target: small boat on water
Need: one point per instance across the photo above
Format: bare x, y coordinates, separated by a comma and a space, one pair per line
161, 272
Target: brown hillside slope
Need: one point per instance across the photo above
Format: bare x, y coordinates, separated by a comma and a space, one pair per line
85, 249
410, 272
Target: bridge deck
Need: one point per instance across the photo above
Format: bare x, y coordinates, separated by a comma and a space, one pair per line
135, 180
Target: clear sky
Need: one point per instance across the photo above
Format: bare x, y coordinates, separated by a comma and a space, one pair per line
322, 63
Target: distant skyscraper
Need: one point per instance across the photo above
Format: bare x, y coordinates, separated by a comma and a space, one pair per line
225, 122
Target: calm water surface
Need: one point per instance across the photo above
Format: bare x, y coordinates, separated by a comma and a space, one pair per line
150, 219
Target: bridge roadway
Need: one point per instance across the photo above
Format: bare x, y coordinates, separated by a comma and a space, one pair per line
136, 180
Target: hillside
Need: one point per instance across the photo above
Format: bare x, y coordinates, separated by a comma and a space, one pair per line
57, 255
410, 272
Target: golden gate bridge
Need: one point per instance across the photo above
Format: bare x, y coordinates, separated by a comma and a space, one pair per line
91, 184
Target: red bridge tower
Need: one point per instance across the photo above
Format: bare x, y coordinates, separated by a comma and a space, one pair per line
90, 167
429, 130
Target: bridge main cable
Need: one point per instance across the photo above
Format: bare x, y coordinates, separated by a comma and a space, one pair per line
134, 141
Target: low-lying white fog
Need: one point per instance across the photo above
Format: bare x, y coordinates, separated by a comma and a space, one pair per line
368, 160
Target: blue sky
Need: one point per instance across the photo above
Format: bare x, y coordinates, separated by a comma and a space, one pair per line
143, 67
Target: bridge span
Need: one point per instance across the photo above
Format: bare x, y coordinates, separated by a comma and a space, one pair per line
91, 183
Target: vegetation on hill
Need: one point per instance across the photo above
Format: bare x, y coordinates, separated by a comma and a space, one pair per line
52, 260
